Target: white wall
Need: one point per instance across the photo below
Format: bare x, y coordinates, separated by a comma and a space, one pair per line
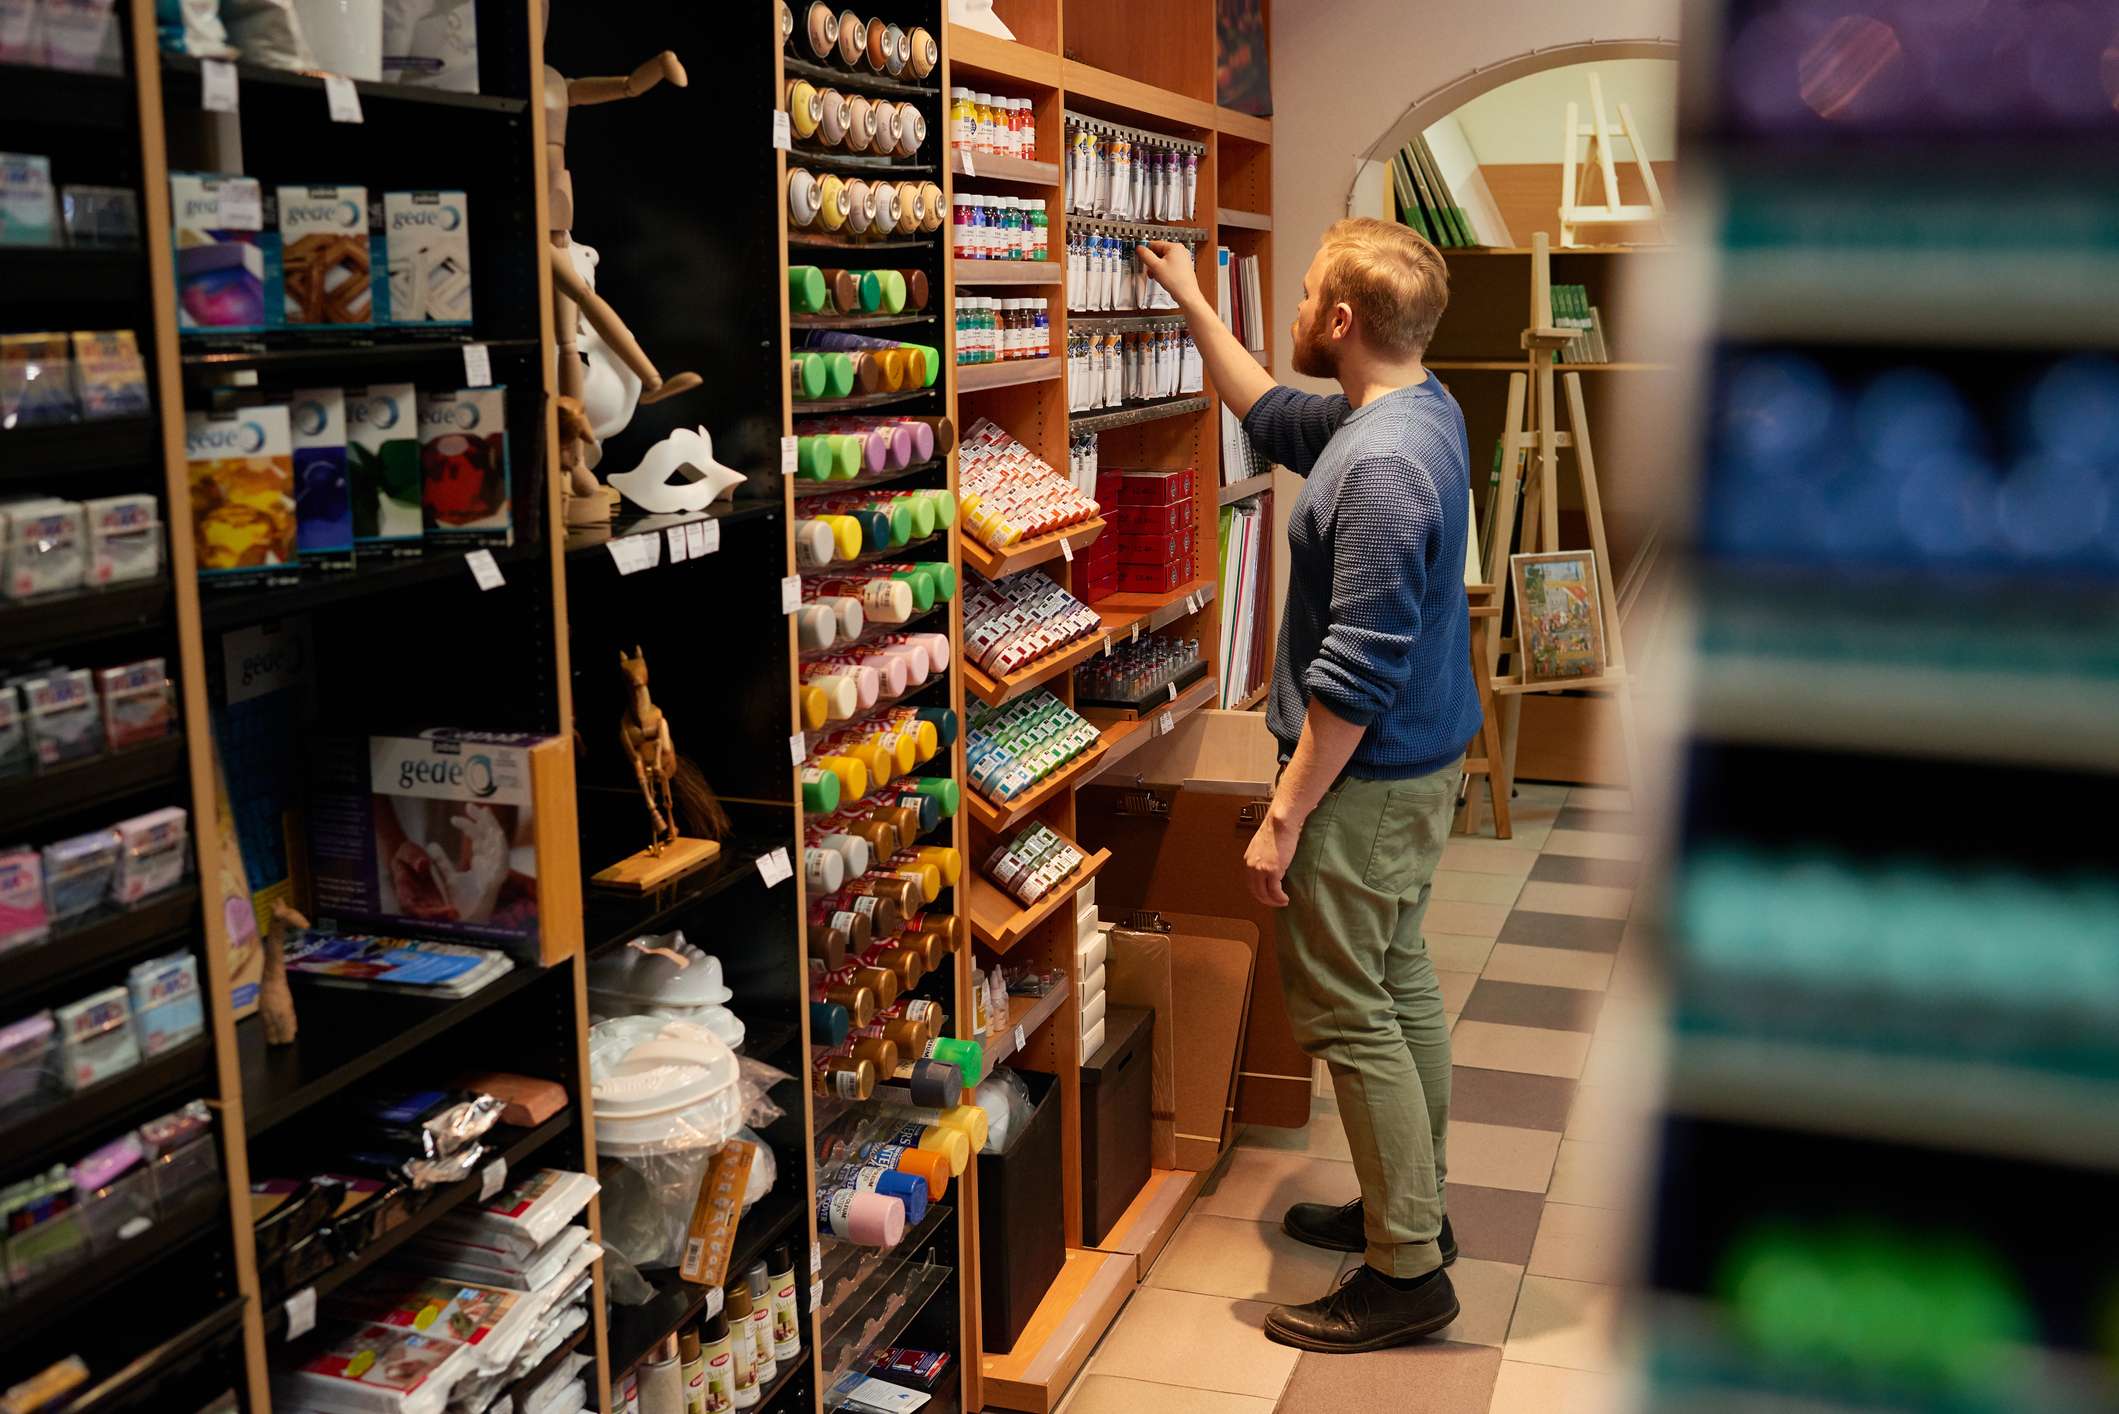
1523, 121
1345, 70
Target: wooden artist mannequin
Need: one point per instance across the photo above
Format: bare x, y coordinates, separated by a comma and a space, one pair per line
275, 1001
572, 299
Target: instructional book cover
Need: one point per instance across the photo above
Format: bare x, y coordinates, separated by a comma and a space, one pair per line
242, 494
382, 469
463, 455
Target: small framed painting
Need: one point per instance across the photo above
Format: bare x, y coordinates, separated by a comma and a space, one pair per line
1559, 615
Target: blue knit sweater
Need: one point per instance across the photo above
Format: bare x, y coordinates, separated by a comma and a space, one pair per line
1375, 625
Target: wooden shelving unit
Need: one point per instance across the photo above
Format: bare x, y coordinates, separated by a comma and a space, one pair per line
1037, 550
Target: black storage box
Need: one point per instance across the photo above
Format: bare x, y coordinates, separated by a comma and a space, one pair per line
1117, 1084
1022, 1244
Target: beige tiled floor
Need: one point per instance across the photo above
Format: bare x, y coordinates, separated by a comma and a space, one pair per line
1190, 1339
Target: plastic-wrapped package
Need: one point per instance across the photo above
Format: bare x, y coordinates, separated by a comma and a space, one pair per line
269, 33
755, 1083
139, 703
522, 1218
15, 758
47, 550
96, 1039
65, 723
29, 1055
493, 1322
375, 1367
666, 1099
168, 1008
764, 1168
124, 540
664, 976
431, 44
116, 1192
25, 917
427, 1124
1006, 1100
151, 850
77, 872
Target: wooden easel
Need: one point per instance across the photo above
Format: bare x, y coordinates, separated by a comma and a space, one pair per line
1600, 135
1533, 429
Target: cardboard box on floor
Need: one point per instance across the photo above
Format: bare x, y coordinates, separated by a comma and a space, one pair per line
1177, 816
1197, 980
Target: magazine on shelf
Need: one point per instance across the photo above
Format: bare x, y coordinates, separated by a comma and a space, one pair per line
419, 966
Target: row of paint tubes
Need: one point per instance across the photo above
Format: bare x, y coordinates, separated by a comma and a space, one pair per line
1129, 178
1110, 370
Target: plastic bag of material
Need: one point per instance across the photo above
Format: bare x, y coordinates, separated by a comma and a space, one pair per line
764, 1169
431, 44
268, 32
192, 27
1006, 1100
647, 1205
756, 1083
664, 976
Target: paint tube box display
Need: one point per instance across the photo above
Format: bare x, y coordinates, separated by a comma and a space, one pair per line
1020, 618
322, 273
323, 508
383, 469
242, 493
1008, 493
463, 455
218, 225
427, 240
428, 834
1009, 749
1028, 865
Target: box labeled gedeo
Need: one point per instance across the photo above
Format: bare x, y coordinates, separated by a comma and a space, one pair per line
217, 226
323, 266
242, 493
427, 241
463, 458
1152, 520
1154, 488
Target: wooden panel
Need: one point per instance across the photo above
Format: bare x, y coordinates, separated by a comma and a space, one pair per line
1066, 1326
976, 52
1151, 1219
1035, 23
1571, 739
1125, 100
1168, 44
1243, 125
1528, 194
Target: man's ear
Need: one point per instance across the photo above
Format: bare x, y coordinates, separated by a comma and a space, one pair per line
1342, 320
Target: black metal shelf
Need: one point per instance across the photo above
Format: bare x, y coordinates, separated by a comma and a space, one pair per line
584, 540
863, 402
858, 321
300, 350
29, 94
101, 939
60, 449
636, 1330
28, 801
59, 1129
49, 275
148, 1375
347, 1034
827, 240
40, 1305
513, 1144
1127, 416
862, 164
611, 918
234, 606
74, 616
187, 67
827, 76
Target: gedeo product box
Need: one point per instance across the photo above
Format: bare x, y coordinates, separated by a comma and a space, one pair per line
463, 455
323, 266
382, 469
217, 225
242, 493
432, 833
323, 509
427, 239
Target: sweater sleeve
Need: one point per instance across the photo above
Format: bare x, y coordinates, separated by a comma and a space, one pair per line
1384, 519
1291, 427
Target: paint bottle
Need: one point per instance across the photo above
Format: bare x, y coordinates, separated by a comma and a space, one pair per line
761, 1320
662, 1380
787, 1325
693, 1367
720, 1365
735, 1306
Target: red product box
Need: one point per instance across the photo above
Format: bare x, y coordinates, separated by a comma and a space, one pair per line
1152, 520
1154, 549
1108, 486
1155, 488
1086, 570
1102, 587
1153, 579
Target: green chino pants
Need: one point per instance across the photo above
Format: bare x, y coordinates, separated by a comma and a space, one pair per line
1362, 996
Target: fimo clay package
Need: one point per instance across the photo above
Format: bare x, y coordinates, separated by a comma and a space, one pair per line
151, 850
96, 1039
77, 872
46, 547
323, 508
428, 241
139, 703
36, 380
242, 493
24, 914
64, 721
15, 757
124, 538
108, 374
463, 453
219, 223
167, 1007
323, 267
28, 212
383, 471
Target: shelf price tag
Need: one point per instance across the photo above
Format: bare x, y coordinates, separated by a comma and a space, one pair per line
1067, 551
1173, 691
496, 1174
680, 544
217, 85
1191, 605
1168, 723
621, 555
798, 746
969, 170
774, 868
485, 569
478, 366
790, 594
695, 537
816, 1294
1018, 1038
342, 99
783, 134
1107, 645
301, 1313
1206, 594
788, 453
713, 1301
816, 1259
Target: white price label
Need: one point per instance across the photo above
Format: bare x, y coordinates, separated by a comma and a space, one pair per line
1191, 605
649, 548
1169, 723
709, 538
217, 85
1019, 1038
622, 555
1173, 691
969, 170
783, 132
790, 594
495, 1176
695, 537
1067, 551
1107, 645
816, 1294
816, 1259
342, 98
713, 1301
242, 206
789, 449
301, 1313
1136, 630
680, 545
798, 746
775, 869
478, 366
485, 569
1206, 595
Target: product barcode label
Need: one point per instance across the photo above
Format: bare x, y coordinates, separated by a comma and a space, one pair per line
1169, 723
788, 454
485, 569
301, 1313
695, 1253
798, 746
1067, 551
478, 366
342, 99
783, 132
1019, 1038
680, 544
790, 594
217, 85
713, 1301
496, 1174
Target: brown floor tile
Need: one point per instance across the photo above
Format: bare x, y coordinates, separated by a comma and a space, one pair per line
1244, 1260
1493, 1224
1262, 1184
1562, 930
1524, 1004
1507, 1097
1617, 822
1577, 869
1198, 1342
1429, 1377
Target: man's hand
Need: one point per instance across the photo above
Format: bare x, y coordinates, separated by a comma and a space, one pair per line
1171, 266
1266, 862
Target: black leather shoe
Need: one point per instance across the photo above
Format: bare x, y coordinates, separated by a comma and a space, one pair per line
1339, 1229
1365, 1312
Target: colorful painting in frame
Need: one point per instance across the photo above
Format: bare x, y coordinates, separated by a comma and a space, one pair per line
1559, 616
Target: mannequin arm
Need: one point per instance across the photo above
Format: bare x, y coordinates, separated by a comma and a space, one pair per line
663, 66
605, 321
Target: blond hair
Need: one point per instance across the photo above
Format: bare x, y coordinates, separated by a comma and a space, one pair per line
1393, 279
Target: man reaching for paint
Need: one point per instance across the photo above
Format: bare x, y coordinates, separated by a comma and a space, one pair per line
1372, 703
